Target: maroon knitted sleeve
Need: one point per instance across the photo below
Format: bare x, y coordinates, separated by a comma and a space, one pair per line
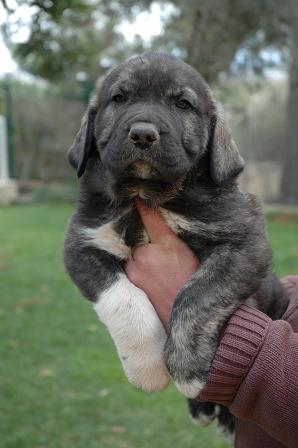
255, 369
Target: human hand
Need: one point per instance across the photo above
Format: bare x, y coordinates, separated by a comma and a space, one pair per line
163, 266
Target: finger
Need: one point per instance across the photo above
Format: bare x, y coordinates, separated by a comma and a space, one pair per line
138, 250
135, 252
154, 224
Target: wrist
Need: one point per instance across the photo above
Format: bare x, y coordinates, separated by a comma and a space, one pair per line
240, 344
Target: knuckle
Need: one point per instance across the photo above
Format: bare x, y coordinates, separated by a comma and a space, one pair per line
142, 256
138, 253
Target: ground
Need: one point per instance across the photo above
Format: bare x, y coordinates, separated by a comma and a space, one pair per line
61, 384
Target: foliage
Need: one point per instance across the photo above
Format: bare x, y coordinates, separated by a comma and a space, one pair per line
217, 36
69, 39
77, 37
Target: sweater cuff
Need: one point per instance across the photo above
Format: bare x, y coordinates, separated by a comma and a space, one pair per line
238, 348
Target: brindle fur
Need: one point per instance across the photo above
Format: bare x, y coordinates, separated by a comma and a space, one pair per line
195, 168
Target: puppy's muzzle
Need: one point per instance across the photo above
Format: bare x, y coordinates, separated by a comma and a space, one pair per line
143, 135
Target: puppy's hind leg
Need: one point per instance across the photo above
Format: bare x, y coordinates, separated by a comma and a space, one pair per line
226, 424
202, 412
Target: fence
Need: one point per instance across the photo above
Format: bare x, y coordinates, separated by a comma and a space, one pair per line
263, 179
45, 121
4, 163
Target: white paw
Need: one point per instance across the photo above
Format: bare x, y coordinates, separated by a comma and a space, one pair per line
190, 389
146, 371
228, 436
137, 332
205, 419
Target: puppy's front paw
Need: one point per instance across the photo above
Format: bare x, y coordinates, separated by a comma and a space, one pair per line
144, 365
137, 333
188, 354
181, 369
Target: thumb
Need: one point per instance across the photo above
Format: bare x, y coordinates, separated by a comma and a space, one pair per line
154, 224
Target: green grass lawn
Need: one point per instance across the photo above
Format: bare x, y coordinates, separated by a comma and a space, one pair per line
61, 384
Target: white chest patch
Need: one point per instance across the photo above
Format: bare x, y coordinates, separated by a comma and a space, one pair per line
106, 238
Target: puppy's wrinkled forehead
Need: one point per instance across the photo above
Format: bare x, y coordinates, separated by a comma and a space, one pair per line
158, 75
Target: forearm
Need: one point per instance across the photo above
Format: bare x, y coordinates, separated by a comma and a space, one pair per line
255, 373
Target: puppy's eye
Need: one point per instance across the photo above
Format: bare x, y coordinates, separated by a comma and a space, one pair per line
119, 98
183, 104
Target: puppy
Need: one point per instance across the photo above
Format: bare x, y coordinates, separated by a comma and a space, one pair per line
154, 130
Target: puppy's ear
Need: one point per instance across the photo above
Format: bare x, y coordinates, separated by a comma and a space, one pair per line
84, 144
225, 160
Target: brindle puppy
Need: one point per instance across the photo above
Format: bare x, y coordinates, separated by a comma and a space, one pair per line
153, 129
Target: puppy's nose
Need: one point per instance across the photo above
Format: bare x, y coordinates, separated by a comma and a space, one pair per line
143, 134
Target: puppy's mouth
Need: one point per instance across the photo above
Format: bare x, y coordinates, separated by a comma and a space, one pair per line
145, 180
141, 170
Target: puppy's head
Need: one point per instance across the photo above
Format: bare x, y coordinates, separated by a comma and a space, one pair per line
149, 124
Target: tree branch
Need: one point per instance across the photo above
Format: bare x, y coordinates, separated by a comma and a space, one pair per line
6, 7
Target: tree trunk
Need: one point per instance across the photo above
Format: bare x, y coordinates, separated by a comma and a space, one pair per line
289, 184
